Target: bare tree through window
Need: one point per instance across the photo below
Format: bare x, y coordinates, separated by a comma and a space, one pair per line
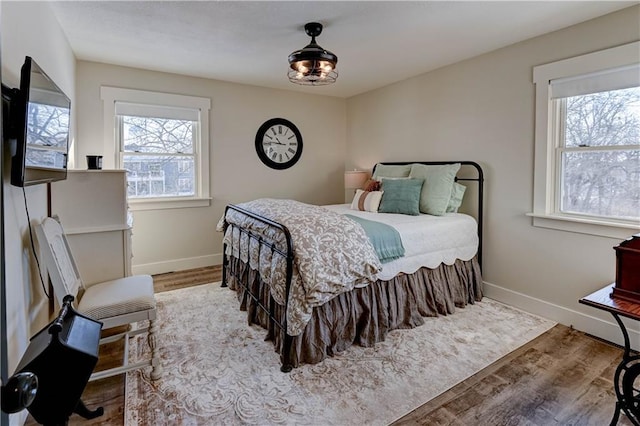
158, 154
600, 154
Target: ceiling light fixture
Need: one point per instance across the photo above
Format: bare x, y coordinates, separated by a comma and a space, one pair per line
312, 65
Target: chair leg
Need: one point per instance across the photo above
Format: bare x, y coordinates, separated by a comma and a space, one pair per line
156, 366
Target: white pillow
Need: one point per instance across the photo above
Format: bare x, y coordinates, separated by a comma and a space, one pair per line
366, 200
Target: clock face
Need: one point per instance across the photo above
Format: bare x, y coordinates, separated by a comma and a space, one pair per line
279, 143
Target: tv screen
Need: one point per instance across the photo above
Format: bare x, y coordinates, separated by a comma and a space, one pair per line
40, 113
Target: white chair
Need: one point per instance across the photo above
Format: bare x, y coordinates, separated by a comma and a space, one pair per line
116, 303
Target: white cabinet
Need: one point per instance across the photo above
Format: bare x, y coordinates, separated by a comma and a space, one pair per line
92, 207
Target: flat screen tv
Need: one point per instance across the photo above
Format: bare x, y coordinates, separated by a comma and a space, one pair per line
38, 117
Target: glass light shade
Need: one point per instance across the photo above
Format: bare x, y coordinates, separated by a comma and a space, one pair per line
312, 72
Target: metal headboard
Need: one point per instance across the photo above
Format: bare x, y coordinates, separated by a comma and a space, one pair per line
479, 178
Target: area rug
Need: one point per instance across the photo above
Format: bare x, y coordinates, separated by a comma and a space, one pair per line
219, 370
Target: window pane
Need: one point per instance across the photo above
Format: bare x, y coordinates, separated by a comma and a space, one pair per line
603, 119
160, 176
157, 135
602, 183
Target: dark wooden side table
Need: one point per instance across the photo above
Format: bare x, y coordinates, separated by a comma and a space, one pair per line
627, 376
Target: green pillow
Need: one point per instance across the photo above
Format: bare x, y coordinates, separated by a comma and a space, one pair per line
438, 184
386, 170
457, 193
401, 196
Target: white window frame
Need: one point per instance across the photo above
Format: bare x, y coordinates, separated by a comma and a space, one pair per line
546, 169
111, 95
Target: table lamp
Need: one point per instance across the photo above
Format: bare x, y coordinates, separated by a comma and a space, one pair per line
355, 179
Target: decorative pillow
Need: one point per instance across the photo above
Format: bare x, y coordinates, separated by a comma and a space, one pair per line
401, 196
372, 185
366, 200
457, 193
386, 170
438, 184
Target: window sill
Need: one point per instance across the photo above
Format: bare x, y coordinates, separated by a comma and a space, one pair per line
602, 228
168, 203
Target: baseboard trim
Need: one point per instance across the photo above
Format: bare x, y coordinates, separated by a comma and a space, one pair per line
177, 264
607, 330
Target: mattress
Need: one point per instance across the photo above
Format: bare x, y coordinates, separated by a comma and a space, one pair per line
428, 240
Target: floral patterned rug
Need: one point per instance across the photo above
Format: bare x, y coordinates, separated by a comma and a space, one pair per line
219, 370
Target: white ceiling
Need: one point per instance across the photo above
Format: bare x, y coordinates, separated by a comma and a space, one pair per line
377, 43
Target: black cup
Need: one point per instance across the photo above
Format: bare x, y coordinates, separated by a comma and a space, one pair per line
94, 162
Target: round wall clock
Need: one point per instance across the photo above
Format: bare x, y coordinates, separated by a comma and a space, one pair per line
278, 143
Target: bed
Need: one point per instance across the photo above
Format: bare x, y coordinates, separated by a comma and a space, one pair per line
315, 279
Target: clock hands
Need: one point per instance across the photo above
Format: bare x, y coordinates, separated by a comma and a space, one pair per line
276, 142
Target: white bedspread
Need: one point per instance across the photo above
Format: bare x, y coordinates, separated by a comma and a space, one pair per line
428, 240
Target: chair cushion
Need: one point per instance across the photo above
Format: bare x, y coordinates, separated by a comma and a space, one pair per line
118, 297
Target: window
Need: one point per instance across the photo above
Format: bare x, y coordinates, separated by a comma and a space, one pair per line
158, 153
598, 154
587, 171
162, 142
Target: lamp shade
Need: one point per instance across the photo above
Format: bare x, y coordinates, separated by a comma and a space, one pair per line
354, 179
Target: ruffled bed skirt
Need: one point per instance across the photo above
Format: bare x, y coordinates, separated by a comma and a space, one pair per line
364, 315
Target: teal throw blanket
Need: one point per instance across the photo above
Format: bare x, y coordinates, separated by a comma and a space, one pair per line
385, 239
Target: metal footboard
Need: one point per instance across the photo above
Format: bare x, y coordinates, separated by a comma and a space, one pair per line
263, 243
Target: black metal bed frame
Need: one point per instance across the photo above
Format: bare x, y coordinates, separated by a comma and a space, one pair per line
288, 255
285, 356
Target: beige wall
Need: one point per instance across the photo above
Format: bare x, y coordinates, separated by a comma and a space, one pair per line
28, 28
482, 109
165, 240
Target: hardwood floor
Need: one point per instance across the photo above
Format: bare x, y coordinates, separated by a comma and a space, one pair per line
563, 377
188, 278
109, 393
